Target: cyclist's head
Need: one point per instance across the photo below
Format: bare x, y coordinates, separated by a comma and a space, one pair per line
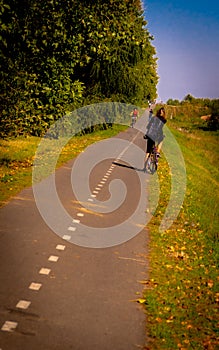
161, 113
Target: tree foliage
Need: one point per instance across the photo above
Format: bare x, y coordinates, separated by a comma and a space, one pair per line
56, 56
173, 102
37, 66
118, 55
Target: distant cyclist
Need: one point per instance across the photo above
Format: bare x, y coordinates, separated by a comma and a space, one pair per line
134, 116
150, 113
154, 132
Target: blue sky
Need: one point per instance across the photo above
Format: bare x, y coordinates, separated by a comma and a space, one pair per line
186, 38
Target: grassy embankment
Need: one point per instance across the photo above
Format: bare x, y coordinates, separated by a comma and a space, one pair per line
17, 156
182, 295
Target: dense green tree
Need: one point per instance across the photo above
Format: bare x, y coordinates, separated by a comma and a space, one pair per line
55, 55
117, 51
38, 57
189, 98
173, 102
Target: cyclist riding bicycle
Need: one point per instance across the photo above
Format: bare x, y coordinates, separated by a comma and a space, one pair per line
150, 114
134, 115
154, 133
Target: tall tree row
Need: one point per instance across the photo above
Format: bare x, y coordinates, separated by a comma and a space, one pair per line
58, 55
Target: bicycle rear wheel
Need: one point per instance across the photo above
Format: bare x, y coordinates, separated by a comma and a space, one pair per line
150, 166
153, 166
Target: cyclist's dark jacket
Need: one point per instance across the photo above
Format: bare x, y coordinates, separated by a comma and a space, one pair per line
155, 129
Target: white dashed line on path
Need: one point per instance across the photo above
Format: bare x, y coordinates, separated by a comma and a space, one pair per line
23, 304
76, 221
35, 286
44, 271
53, 258
66, 237
80, 214
60, 247
71, 228
9, 326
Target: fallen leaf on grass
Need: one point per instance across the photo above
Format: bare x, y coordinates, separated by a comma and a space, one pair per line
149, 283
210, 283
170, 319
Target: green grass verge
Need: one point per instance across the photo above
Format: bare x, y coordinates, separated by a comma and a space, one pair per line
17, 157
181, 295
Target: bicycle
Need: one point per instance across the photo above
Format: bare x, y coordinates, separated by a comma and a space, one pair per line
134, 115
151, 163
134, 119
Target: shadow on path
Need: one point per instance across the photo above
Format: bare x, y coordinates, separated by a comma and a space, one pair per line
127, 166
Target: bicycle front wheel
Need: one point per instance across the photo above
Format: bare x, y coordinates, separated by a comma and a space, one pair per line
153, 166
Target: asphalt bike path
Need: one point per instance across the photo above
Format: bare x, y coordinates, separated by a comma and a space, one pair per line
56, 295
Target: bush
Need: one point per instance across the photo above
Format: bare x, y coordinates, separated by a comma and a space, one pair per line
213, 122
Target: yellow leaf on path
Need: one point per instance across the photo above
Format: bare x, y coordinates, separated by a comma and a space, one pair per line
139, 300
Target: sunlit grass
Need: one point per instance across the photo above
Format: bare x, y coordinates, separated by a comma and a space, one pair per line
181, 296
17, 158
